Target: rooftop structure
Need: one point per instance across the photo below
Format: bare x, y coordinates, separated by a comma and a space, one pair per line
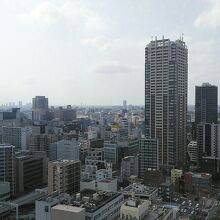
139, 190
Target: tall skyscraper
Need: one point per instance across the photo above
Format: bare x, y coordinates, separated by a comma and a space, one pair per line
206, 106
39, 108
166, 72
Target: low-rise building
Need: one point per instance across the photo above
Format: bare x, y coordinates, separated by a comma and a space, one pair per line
140, 190
67, 212
97, 206
134, 208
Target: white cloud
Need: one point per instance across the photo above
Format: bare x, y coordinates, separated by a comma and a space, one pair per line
47, 13
44, 13
211, 17
113, 68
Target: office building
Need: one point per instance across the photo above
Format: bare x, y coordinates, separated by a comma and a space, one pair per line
65, 114
129, 166
207, 140
206, 106
41, 142
192, 149
4, 191
198, 183
64, 150
148, 155
16, 136
31, 170
166, 72
39, 108
7, 166
64, 176
111, 153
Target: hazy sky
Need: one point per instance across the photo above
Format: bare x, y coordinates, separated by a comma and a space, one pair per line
92, 51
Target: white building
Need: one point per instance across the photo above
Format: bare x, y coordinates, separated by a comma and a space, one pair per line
134, 209
44, 205
193, 151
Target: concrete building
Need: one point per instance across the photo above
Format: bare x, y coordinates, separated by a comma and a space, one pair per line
65, 114
134, 208
7, 166
192, 149
41, 142
39, 108
175, 175
140, 190
98, 206
94, 161
206, 104
129, 166
207, 140
148, 155
64, 176
198, 183
65, 150
4, 191
166, 190
31, 170
111, 153
16, 136
44, 205
67, 212
107, 185
166, 72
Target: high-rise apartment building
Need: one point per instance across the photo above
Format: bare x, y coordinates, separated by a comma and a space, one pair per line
166, 71
7, 166
206, 106
208, 140
39, 108
64, 176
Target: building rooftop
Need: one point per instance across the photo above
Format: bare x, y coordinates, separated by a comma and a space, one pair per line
64, 162
6, 146
68, 208
139, 189
92, 201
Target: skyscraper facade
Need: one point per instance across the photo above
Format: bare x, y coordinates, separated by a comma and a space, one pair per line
7, 166
39, 108
166, 72
206, 106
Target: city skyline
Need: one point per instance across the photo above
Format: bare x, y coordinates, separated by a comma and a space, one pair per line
77, 47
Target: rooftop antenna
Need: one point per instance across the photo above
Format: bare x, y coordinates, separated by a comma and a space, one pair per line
182, 36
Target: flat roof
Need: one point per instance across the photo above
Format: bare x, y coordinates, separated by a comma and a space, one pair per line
68, 208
